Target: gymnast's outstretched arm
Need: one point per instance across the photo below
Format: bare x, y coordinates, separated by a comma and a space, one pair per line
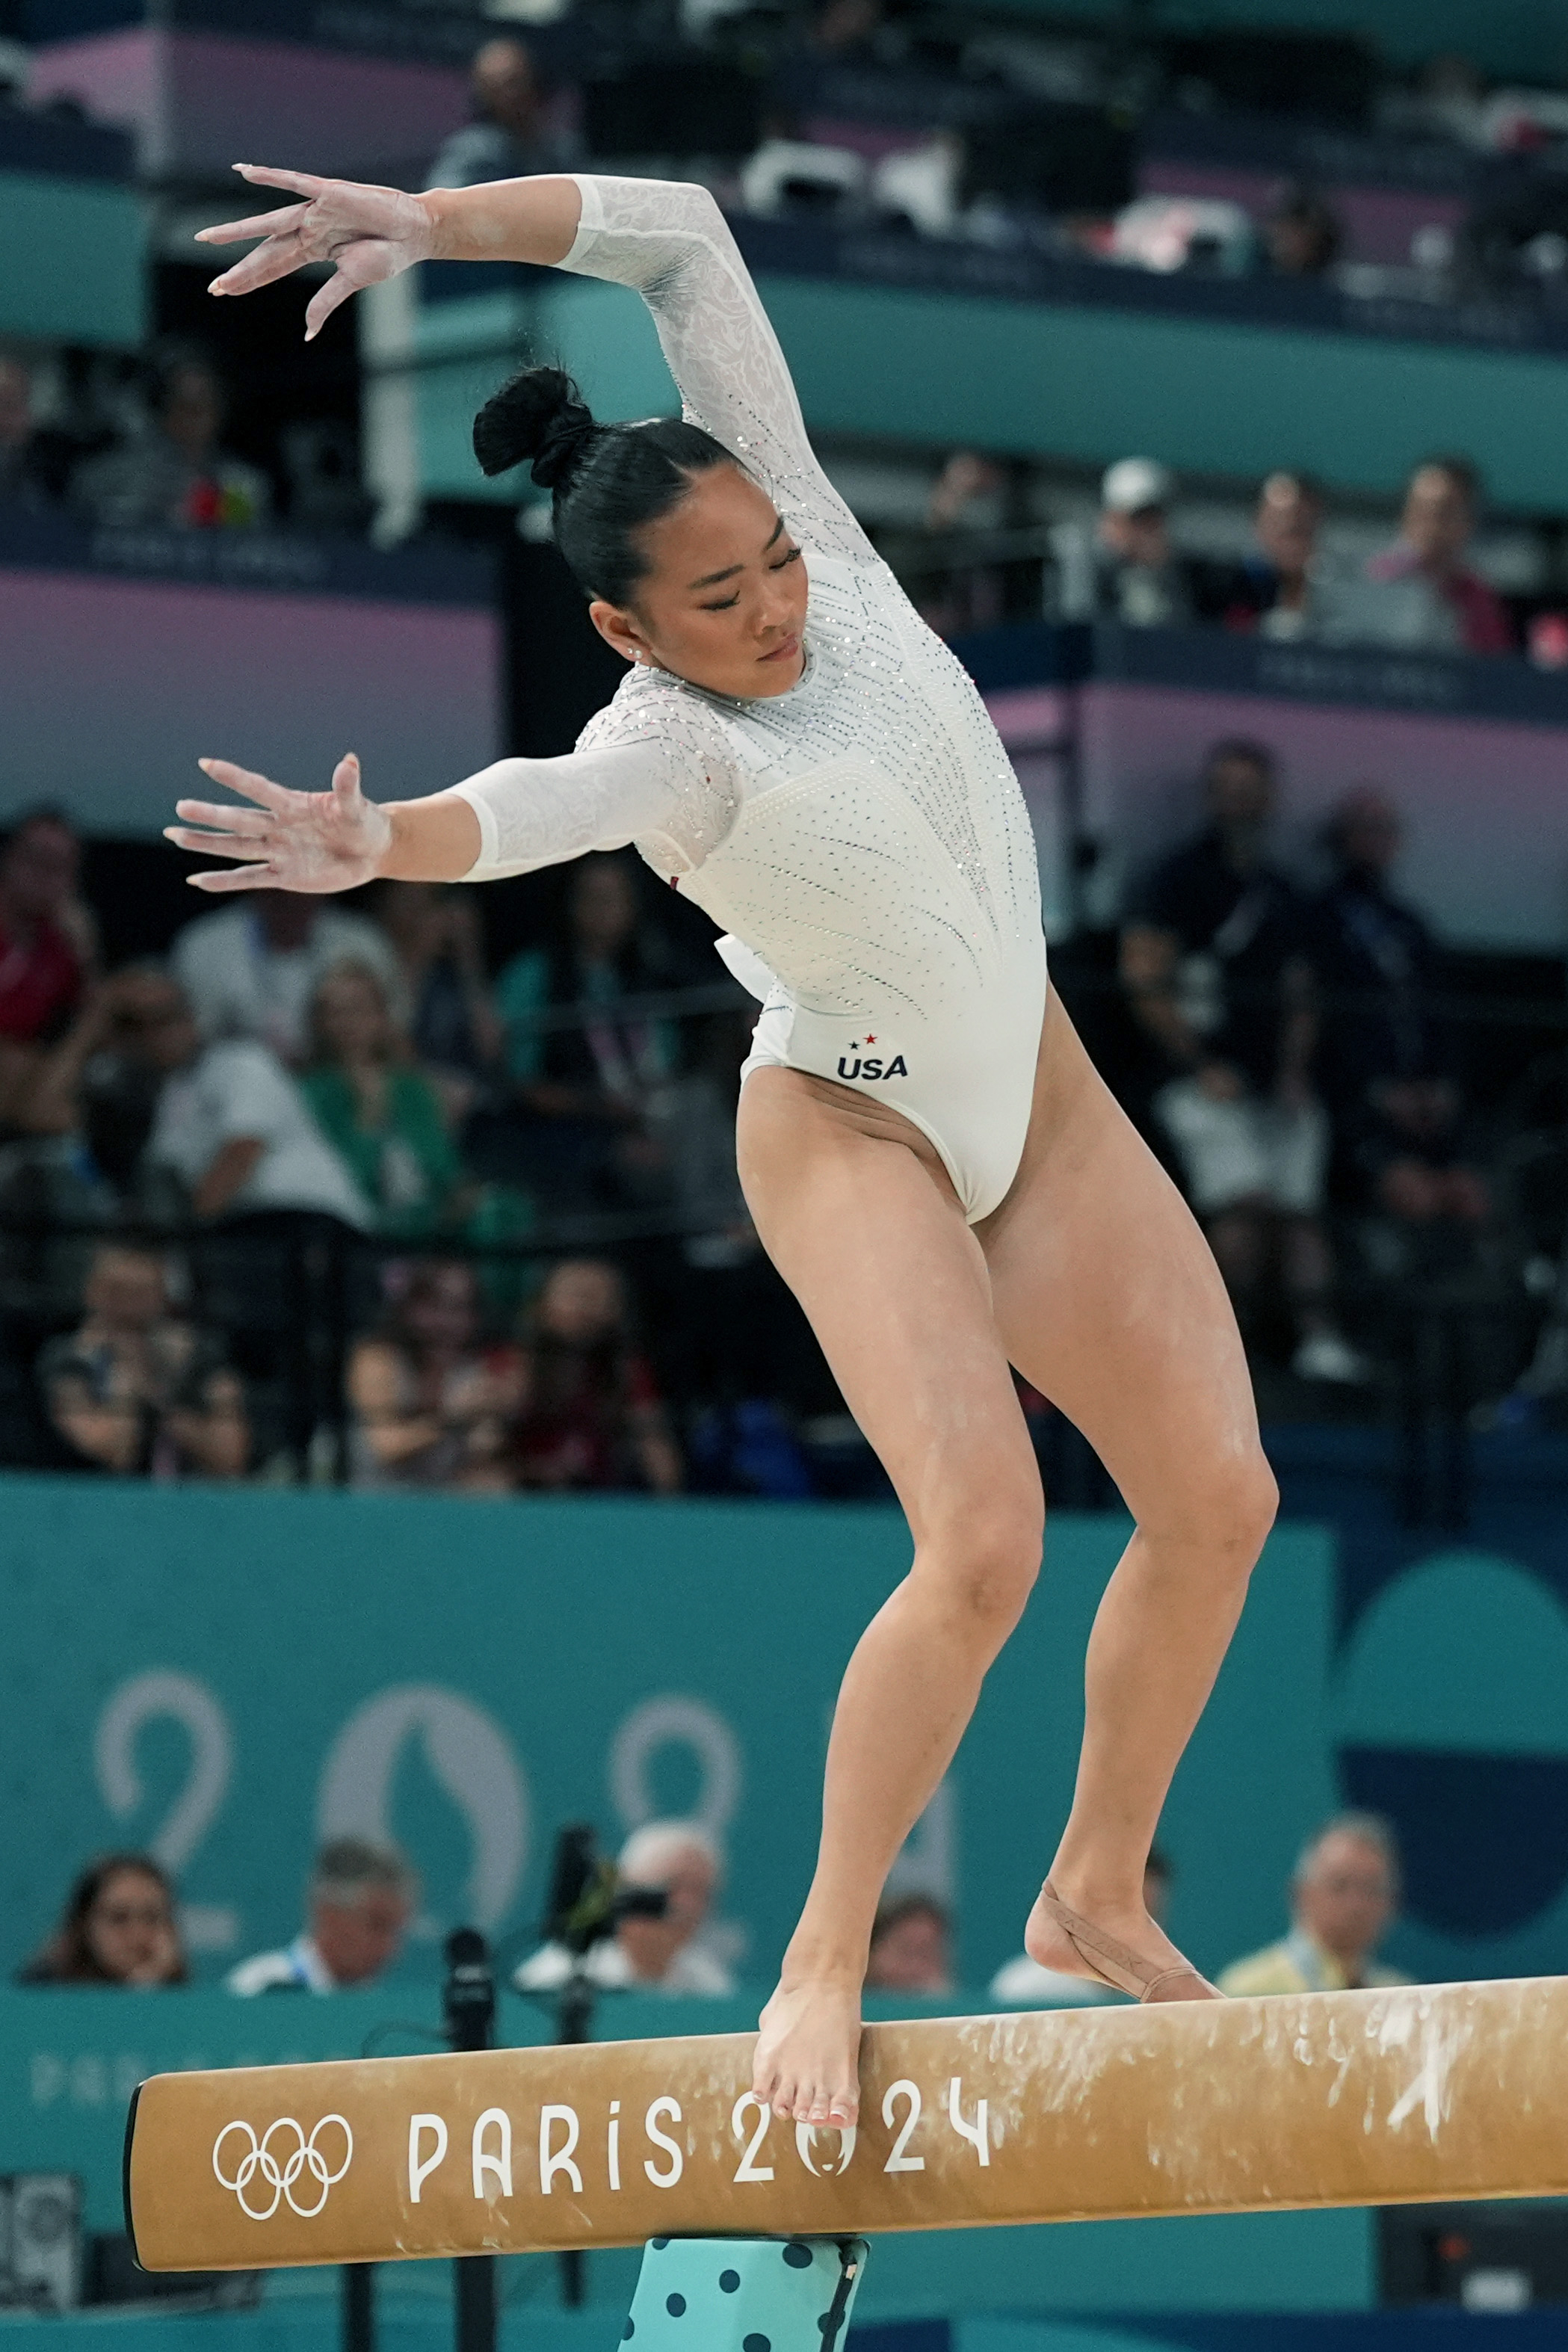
509, 818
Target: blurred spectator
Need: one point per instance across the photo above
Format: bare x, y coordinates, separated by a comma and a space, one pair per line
118, 1928
233, 1128
362, 1899
1281, 595
910, 1946
1301, 236
100, 1085
972, 494
174, 472
1139, 578
663, 1949
1022, 1983
1212, 958
381, 1115
516, 133
1421, 596
1382, 1064
453, 1026
433, 1403
251, 970
1208, 235
321, 465
1343, 1896
49, 945
589, 1091
591, 1416
137, 1390
222, 1134
24, 479
1547, 641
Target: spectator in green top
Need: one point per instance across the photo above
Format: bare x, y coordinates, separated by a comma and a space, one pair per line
379, 1112
589, 1093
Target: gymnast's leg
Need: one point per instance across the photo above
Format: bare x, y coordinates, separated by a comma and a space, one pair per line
858, 1214
1108, 1299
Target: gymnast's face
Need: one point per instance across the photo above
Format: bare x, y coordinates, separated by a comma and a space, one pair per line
723, 603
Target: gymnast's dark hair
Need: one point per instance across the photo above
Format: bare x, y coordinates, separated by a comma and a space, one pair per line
608, 480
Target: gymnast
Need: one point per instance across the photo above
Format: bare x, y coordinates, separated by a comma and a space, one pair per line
930, 1161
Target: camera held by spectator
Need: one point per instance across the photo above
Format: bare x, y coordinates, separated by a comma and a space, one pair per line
656, 1946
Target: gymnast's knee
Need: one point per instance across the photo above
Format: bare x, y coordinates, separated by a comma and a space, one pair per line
1231, 1512
986, 1563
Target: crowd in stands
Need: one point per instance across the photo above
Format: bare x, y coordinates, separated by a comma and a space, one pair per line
1418, 594
294, 1083
305, 1198
659, 1933
148, 449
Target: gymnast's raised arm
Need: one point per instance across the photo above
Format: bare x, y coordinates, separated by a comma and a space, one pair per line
666, 238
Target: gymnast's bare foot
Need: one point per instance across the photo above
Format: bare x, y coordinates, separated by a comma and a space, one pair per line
1121, 1922
807, 2062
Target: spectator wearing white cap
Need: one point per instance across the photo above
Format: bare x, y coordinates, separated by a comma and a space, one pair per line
1139, 578
666, 1952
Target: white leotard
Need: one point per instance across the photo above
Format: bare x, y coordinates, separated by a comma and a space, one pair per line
861, 838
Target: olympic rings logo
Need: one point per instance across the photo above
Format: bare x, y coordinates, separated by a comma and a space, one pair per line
278, 2172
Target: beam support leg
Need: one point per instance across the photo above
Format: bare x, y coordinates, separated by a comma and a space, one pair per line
746, 2294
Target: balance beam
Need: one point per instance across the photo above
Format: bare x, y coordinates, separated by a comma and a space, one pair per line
1425, 2093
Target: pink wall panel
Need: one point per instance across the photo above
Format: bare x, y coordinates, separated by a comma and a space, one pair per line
1486, 804
200, 101
111, 691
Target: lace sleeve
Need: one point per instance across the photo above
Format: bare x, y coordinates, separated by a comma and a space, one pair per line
536, 813
671, 242
667, 784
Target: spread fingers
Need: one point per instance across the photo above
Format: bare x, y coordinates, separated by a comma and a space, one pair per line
272, 224
223, 817
245, 780
217, 845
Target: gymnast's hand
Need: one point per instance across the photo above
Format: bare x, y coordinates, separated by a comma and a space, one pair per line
293, 841
368, 233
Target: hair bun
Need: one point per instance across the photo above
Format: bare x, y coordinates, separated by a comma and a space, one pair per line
539, 416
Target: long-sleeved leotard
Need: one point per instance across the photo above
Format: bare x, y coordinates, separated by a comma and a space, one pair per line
861, 838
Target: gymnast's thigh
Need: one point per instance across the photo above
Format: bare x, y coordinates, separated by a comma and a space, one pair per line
1107, 1298
858, 1214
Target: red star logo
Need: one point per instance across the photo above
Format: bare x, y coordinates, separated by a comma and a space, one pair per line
870, 1041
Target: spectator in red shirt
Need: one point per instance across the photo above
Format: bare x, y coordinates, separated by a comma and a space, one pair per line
47, 945
593, 1416
1434, 603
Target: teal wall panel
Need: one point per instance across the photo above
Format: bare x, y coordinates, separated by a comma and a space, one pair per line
466, 349
75, 261
229, 1672
1518, 38
1202, 394
1085, 384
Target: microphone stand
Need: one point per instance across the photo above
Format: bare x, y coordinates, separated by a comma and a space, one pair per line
469, 2006
574, 2023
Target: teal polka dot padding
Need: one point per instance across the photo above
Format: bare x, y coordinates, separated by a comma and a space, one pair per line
744, 2295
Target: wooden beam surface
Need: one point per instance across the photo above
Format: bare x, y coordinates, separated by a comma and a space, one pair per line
1421, 2093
